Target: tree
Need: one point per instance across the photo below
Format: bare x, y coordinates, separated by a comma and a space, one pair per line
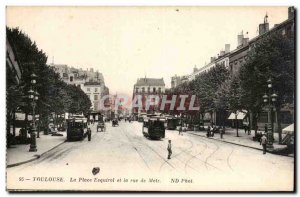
273, 56
79, 103
228, 96
235, 99
54, 94
206, 86
221, 100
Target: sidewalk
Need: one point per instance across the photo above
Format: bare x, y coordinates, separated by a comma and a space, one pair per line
19, 154
243, 140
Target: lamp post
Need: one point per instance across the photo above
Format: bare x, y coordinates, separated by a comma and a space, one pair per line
270, 99
33, 96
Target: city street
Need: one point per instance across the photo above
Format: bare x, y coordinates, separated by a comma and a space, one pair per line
123, 152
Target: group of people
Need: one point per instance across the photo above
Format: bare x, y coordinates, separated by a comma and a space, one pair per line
129, 120
212, 130
181, 129
247, 129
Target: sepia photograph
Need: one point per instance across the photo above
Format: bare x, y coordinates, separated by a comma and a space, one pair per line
150, 98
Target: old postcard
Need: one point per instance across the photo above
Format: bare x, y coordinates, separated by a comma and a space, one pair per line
150, 98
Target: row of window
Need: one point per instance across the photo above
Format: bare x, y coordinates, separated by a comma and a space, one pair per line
89, 89
143, 90
95, 97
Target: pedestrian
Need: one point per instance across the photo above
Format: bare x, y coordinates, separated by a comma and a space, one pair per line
249, 131
222, 131
89, 133
169, 150
263, 142
208, 132
213, 131
180, 130
266, 128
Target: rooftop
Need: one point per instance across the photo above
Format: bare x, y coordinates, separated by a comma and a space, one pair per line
92, 83
150, 82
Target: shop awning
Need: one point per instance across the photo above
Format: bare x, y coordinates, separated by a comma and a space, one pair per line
232, 116
289, 129
240, 115
21, 116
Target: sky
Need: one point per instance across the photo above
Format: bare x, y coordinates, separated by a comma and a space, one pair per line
127, 43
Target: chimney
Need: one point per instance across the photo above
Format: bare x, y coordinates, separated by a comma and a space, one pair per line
245, 41
291, 12
227, 48
240, 39
222, 53
264, 27
195, 69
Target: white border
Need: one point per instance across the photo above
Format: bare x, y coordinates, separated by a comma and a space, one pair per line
110, 3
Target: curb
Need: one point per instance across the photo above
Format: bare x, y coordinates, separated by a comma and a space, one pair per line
33, 159
240, 145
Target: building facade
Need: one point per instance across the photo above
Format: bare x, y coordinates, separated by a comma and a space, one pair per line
221, 59
91, 82
12, 62
235, 59
94, 91
238, 58
177, 80
13, 76
145, 87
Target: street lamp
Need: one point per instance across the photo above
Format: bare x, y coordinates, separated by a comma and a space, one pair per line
270, 99
33, 97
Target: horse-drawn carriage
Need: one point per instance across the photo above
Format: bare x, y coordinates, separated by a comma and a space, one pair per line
115, 122
101, 125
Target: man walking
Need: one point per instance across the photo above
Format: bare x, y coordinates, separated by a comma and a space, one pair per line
263, 142
169, 150
180, 130
89, 133
208, 132
222, 131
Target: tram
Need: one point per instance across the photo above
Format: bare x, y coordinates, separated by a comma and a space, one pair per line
153, 127
77, 127
172, 123
141, 117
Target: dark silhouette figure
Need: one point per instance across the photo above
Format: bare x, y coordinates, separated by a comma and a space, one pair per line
169, 149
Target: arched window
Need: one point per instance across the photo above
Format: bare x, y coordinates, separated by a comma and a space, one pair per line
136, 90
143, 89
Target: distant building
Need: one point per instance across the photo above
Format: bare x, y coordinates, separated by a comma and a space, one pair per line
93, 90
148, 86
221, 59
91, 82
177, 80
